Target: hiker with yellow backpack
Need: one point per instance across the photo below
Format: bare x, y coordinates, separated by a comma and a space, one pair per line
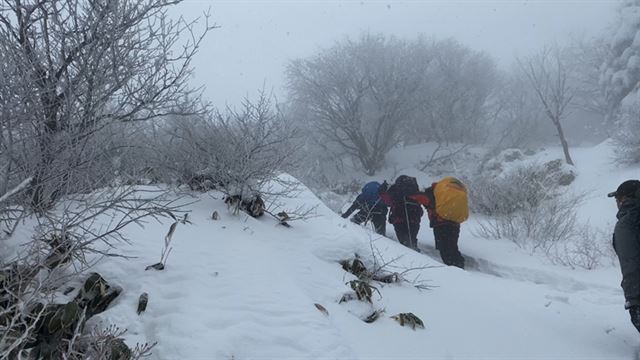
447, 207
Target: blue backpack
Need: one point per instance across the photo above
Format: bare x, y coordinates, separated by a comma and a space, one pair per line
370, 193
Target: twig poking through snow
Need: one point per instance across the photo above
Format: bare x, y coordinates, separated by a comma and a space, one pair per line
16, 190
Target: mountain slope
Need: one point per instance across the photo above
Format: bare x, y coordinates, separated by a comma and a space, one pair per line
245, 288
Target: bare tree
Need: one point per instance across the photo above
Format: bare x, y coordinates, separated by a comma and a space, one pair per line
517, 117
549, 76
359, 94
452, 104
585, 56
240, 150
75, 67
255, 145
72, 72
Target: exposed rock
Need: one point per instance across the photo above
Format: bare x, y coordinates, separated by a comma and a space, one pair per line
252, 205
156, 266
96, 294
561, 174
553, 165
512, 155
118, 350
55, 324
204, 182
409, 319
142, 303
566, 178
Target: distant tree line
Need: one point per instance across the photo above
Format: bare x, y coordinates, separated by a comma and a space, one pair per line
363, 96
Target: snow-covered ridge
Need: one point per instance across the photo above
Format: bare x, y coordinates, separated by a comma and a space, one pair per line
245, 288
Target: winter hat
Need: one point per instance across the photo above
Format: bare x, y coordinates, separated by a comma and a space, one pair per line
627, 188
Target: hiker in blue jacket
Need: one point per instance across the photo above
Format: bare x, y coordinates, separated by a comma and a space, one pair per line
370, 207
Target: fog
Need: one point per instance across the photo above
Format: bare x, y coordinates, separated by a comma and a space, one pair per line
284, 147
255, 39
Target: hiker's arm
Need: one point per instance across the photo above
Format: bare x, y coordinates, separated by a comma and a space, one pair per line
355, 206
386, 198
421, 199
384, 194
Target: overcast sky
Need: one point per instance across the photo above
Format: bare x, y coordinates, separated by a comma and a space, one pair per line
257, 38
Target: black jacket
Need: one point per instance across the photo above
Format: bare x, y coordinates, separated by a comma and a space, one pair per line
626, 242
378, 208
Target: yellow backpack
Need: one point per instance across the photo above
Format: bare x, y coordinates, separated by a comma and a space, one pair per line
451, 200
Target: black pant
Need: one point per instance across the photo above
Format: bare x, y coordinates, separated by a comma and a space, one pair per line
407, 234
379, 220
446, 239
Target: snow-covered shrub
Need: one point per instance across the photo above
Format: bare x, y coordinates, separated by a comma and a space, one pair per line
238, 151
62, 92
497, 191
621, 69
185, 149
627, 138
255, 144
522, 188
588, 249
528, 205
551, 228
68, 84
109, 344
66, 242
537, 225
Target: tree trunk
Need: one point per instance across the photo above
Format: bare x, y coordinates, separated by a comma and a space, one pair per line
370, 166
563, 141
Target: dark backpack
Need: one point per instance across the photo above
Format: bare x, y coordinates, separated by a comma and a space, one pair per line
405, 210
406, 185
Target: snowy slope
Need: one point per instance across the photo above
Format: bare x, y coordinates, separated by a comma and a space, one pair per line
244, 288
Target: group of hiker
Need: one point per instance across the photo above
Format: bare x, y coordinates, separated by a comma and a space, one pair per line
447, 207
445, 202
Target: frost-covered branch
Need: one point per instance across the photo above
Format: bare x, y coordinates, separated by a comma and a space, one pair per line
23, 185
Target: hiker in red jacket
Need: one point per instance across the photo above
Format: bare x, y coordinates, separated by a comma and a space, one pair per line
405, 213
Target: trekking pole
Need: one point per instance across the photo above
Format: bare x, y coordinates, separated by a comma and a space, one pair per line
370, 213
406, 215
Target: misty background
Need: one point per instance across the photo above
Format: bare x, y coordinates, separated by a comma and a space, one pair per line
256, 39
215, 115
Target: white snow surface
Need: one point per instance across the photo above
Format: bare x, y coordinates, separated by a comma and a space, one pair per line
244, 288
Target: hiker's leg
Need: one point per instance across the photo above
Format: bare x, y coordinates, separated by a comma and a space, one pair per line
380, 224
415, 228
447, 239
402, 232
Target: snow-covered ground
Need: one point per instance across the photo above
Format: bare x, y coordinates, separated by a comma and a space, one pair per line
243, 288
